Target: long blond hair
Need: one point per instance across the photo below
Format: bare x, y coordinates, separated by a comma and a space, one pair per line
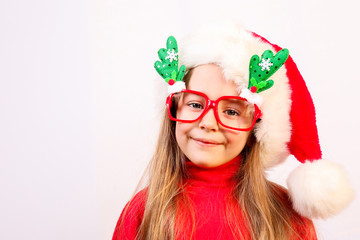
264, 205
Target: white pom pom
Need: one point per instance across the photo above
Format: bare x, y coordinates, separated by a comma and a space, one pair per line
319, 189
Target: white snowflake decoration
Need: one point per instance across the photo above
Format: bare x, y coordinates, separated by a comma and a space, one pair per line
265, 64
171, 55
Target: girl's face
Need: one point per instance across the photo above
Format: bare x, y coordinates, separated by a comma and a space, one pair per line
205, 142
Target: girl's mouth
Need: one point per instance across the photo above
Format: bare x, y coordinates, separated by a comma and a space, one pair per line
206, 142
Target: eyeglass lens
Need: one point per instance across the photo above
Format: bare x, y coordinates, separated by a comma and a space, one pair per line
232, 112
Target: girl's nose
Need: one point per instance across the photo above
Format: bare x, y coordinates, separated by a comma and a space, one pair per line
208, 122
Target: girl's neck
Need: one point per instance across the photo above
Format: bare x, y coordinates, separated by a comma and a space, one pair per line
221, 176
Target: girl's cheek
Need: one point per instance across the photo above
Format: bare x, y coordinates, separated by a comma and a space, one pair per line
180, 132
183, 128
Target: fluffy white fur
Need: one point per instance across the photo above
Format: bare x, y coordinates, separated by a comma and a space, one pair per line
252, 97
176, 87
319, 189
231, 47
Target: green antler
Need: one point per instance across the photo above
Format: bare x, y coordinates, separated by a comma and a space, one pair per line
167, 67
261, 69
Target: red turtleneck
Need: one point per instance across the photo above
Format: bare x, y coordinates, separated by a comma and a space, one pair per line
208, 190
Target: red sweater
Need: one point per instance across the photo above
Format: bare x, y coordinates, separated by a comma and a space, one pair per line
208, 191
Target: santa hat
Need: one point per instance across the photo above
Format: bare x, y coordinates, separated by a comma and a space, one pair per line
318, 188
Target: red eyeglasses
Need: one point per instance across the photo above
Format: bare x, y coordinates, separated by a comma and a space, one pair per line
232, 112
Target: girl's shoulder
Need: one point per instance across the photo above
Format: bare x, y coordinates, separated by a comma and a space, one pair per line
131, 217
137, 203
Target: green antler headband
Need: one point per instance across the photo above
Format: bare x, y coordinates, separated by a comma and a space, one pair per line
167, 67
260, 70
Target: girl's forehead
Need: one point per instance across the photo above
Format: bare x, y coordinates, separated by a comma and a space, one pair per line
209, 79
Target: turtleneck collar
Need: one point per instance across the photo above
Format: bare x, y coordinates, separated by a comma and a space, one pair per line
220, 176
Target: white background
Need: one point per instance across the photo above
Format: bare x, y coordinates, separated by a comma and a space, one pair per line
79, 102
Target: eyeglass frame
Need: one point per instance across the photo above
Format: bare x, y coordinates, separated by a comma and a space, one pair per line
214, 105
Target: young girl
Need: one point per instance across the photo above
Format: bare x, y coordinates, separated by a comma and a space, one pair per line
237, 105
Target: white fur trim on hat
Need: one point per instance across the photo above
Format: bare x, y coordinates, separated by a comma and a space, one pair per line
251, 97
176, 87
319, 189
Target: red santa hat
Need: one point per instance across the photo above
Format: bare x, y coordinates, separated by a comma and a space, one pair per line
318, 188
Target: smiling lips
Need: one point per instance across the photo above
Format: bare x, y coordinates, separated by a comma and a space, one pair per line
206, 142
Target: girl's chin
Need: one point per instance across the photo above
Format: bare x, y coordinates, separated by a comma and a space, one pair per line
206, 163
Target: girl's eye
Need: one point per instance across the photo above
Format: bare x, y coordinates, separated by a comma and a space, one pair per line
231, 112
195, 105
